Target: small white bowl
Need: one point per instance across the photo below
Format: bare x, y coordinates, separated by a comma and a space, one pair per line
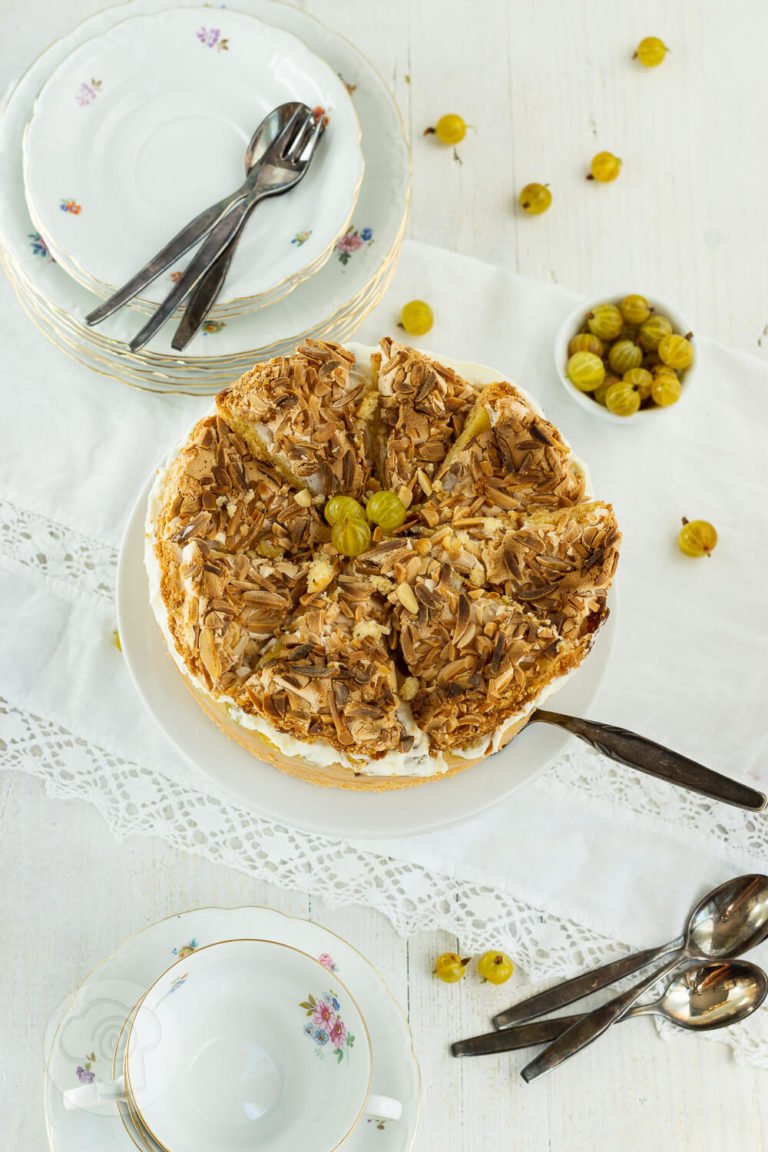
570, 328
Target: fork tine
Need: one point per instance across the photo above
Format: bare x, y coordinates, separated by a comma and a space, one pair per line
298, 139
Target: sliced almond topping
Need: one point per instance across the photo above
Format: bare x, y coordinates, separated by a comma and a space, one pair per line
407, 598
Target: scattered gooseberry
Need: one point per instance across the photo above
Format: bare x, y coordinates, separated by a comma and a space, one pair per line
416, 317
450, 967
697, 537
496, 967
604, 167
386, 509
651, 51
450, 129
535, 198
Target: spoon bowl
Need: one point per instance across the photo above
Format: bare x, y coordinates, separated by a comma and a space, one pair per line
711, 995
730, 919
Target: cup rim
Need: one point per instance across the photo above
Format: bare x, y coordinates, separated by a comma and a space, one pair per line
566, 330
134, 1013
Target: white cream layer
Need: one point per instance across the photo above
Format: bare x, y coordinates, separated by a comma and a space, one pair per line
419, 761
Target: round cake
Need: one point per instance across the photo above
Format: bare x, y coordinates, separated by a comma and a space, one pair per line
430, 648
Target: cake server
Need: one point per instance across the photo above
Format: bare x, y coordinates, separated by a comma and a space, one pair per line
638, 752
711, 995
715, 920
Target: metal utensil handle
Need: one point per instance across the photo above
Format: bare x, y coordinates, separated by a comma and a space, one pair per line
594, 1024
216, 243
554, 998
205, 295
638, 752
522, 1036
173, 251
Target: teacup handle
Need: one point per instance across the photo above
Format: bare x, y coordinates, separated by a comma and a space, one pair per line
93, 1094
383, 1108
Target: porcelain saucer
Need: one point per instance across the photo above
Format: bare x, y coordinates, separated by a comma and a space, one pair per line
84, 1043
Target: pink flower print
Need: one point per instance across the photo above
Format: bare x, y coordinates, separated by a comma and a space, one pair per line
324, 1016
325, 1025
87, 93
212, 38
350, 242
338, 1033
327, 961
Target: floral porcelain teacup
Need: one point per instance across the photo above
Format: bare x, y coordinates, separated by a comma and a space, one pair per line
243, 1044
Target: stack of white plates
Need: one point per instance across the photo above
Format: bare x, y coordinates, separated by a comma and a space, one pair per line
124, 130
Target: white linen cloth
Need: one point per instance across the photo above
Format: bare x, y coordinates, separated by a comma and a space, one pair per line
584, 861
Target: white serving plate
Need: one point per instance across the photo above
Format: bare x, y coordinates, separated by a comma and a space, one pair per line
88, 1030
146, 124
329, 298
250, 782
213, 375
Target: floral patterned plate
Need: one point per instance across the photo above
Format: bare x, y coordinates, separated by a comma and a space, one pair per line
172, 100
334, 300
87, 1034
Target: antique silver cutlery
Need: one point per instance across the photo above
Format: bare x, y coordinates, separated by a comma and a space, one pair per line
721, 928
714, 930
291, 134
711, 995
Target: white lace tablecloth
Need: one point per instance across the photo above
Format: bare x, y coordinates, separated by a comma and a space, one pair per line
589, 858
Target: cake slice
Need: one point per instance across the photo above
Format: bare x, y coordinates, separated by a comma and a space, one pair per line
305, 416
507, 459
330, 674
422, 409
479, 659
223, 608
559, 564
216, 490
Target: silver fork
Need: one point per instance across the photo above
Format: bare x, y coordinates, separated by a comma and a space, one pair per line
282, 168
209, 287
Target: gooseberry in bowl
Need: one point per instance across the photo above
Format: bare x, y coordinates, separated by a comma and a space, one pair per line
645, 348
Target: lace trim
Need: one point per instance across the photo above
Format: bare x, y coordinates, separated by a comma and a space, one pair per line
57, 552
686, 817
136, 801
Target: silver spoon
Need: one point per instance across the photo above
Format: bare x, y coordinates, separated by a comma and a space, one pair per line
727, 921
712, 995
718, 930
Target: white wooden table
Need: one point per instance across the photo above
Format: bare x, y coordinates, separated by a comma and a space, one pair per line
546, 85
